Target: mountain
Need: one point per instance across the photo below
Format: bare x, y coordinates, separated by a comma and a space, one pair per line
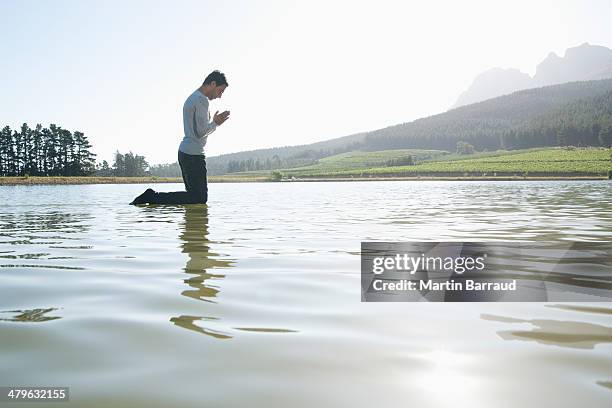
492, 83
582, 63
527, 118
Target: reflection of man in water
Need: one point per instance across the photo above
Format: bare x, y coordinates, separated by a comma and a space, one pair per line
197, 126
194, 238
195, 244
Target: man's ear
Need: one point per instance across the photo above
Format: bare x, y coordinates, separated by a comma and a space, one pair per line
213, 84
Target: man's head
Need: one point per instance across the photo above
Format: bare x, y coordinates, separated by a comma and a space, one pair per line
214, 85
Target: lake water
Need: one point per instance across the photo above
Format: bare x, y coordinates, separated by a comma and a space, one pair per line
255, 300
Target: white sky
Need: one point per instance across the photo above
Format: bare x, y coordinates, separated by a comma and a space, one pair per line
299, 72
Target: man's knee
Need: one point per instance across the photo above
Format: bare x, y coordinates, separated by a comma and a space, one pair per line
200, 197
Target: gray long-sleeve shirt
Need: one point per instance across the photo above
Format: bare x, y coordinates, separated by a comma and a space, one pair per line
197, 124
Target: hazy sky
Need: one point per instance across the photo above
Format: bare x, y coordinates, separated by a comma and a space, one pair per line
299, 72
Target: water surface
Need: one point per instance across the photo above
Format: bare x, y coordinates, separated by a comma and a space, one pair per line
254, 300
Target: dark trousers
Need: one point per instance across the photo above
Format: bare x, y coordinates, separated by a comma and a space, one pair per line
193, 169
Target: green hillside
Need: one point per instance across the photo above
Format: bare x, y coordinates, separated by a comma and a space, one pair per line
556, 161
364, 160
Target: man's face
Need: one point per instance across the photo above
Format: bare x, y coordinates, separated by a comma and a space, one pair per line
217, 91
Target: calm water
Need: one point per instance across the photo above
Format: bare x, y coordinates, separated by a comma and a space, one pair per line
255, 300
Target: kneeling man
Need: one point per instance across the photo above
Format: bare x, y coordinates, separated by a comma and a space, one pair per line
198, 126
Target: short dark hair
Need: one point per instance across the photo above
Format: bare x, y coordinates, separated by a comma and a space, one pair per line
217, 76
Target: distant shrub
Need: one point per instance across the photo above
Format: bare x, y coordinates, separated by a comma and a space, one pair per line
464, 148
400, 161
277, 176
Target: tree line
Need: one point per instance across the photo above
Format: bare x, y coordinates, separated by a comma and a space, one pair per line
39, 151
55, 151
235, 166
124, 165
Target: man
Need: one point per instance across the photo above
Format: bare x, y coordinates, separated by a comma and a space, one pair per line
197, 126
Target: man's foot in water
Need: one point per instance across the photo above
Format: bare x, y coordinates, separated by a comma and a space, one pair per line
144, 198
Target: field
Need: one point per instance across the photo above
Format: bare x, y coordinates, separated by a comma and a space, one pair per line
364, 160
534, 162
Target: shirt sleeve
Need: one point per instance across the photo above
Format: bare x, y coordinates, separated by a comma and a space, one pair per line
204, 126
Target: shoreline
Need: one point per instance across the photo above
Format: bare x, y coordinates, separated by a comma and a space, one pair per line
451, 178
15, 181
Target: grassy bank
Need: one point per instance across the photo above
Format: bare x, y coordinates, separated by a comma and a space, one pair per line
12, 181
